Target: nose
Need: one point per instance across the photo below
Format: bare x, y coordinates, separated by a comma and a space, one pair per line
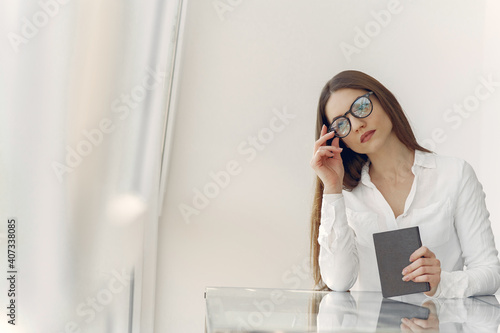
356, 123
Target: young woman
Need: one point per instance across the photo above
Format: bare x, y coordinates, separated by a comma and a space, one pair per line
375, 177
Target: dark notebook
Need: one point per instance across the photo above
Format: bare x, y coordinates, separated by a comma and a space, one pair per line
393, 249
391, 313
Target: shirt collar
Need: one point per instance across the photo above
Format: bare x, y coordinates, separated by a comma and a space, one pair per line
422, 159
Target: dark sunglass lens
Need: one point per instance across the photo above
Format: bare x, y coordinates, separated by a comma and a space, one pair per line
341, 126
362, 107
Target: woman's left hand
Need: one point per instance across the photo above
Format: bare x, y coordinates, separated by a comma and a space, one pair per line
425, 267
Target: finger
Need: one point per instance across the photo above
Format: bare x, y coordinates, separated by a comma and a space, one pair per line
421, 322
422, 252
321, 149
323, 139
433, 279
330, 149
419, 263
336, 142
411, 325
320, 154
323, 152
404, 328
323, 130
425, 270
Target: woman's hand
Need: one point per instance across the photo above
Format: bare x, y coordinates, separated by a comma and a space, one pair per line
327, 162
426, 269
430, 324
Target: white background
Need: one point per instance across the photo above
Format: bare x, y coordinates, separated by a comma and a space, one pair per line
239, 65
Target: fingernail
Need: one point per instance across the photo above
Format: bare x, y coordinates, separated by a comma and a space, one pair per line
404, 278
403, 272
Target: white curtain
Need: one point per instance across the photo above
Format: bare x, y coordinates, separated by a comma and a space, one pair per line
85, 94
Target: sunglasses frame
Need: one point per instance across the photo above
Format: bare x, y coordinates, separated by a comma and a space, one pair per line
367, 95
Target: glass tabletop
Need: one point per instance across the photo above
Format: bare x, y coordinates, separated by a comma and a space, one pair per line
283, 310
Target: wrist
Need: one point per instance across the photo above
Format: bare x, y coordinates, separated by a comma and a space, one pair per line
332, 190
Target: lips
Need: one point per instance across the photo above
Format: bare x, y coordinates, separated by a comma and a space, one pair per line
367, 136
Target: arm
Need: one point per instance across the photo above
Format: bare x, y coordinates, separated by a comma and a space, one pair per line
338, 257
472, 223
338, 260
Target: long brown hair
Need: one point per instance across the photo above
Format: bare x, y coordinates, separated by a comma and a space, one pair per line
353, 162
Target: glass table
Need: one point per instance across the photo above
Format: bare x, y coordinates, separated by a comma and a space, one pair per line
283, 310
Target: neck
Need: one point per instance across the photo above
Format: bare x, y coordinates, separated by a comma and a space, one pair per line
393, 162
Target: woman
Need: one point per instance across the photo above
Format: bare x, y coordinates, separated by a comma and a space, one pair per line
375, 177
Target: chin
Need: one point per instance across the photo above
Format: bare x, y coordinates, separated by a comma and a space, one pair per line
359, 151
367, 148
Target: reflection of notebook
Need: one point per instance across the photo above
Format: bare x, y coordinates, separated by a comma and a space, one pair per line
391, 313
393, 249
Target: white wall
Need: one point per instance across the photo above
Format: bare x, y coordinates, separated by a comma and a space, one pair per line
241, 65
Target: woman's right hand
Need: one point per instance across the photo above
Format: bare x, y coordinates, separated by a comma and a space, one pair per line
327, 162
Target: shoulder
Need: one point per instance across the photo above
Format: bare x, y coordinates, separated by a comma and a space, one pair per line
452, 166
450, 177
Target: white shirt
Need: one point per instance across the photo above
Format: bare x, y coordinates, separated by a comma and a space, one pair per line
446, 202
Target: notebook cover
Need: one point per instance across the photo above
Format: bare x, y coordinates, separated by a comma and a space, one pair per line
391, 313
393, 250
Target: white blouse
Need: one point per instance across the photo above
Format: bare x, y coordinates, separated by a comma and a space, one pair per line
446, 202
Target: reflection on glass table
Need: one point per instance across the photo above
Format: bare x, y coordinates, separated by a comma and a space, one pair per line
282, 310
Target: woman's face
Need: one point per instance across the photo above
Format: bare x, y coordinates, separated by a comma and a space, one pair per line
368, 135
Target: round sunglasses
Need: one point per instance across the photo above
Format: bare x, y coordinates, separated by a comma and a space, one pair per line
362, 107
